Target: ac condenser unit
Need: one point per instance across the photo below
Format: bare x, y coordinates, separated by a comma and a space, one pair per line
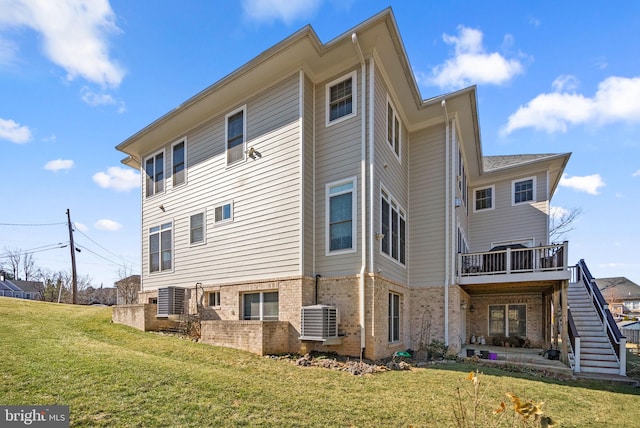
170, 301
319, 323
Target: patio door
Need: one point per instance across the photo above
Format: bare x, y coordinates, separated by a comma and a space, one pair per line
508, 320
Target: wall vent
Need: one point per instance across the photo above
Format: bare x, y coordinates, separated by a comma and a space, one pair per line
319, 322
170, 301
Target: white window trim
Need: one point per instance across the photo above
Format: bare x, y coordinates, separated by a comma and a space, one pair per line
204, 228
261, 293
181, 140
244, 136
224, 220
391, 293
209, 293
161, 271
506, 317
390, 144
529, 242
164, 169
513, 191
402, 213
493, 198
354, 216
354, 98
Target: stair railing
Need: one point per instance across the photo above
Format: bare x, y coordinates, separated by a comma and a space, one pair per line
617, 340
574, 338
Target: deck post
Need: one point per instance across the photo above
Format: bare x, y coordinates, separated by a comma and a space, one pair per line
623, 356
576, 356
565, 319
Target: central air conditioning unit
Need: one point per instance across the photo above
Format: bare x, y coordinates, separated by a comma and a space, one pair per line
320, 323
170, 301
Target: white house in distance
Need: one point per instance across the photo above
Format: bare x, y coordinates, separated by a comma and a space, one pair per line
313, 200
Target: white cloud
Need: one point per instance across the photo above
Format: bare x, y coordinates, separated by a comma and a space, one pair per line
80, 226
566, 82
558, 212
14, 132
58, 164
74, 35
616, 100
119, 179
95, 99
106, 224
471, 64
286, 11
8, 51
636, 174
588, 184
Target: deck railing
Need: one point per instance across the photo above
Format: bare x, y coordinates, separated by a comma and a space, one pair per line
617, 340
514, 260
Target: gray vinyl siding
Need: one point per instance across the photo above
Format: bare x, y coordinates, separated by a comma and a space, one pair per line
511, 223
426, 207
394, 176
263, 240
308, 145
337, 157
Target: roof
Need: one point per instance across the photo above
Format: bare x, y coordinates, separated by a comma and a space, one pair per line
618, 288
493, 163
28, 286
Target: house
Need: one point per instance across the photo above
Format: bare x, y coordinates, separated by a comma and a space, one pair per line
622, 295
31, 290
313, 200
127, 290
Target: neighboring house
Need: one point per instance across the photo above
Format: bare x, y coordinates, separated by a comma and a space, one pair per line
97, 296
127, 290
622, 295
312, 199
31, 290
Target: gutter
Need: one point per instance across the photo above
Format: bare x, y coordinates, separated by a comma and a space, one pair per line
446, 222
363, 193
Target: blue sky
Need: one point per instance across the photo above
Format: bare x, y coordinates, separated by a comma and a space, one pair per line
78, 77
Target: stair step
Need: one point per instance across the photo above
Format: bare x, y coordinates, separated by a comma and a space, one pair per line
609, 358
600, 370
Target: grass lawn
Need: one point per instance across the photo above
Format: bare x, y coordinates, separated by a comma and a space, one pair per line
112, 375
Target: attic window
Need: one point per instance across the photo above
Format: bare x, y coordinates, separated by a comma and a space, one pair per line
341, 99
236, 131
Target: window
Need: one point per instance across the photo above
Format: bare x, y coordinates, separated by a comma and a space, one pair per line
341, 99
224, 212
462, 179
236, 130
393, 128
483, 199
196, 228
463, 247
524, 190
261, 306
394, 317
178, 161
160, 248
154, 169
508, 320
393, 228
214, 298
341, 211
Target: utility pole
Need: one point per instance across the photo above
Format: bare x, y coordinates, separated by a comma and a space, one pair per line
74, 276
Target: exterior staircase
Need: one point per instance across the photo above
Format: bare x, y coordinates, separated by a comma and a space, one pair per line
596, 353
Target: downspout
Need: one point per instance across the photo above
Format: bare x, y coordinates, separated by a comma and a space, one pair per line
446, 223
363, 193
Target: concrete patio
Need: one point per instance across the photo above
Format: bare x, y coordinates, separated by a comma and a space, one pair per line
526, 357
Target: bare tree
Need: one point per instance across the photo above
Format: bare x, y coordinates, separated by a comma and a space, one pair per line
11, 262
561, 222
128, 286
18, 264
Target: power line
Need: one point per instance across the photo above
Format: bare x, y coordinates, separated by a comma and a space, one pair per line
105, 249
30, 224
98, 255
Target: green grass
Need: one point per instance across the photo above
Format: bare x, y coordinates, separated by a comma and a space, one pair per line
112, 375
